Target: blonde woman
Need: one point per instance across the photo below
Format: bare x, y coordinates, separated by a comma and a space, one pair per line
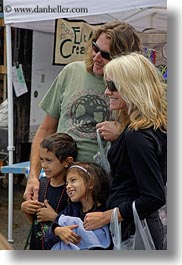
138, 157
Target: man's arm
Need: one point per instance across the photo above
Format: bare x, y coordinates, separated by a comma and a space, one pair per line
48, 126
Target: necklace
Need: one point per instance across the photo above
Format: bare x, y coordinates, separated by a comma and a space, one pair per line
44, 226
61, 196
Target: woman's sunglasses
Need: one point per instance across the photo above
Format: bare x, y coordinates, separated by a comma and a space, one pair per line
106, 55
111, 86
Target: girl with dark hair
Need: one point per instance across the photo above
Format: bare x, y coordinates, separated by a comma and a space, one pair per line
87, 188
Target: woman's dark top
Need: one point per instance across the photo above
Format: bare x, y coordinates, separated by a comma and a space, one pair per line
138, 162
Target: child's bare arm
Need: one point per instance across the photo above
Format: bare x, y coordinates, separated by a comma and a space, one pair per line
66, 234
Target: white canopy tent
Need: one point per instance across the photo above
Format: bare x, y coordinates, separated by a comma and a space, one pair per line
40, 16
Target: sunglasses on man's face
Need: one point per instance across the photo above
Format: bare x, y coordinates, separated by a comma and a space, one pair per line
106, 55
111, 86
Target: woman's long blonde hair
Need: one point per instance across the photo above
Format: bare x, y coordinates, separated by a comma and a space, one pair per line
140, 85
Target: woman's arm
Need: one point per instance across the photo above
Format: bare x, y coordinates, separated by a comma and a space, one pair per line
96, 220
143, 154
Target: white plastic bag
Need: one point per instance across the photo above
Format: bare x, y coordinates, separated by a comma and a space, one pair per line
101, 156
115, 229
141, 240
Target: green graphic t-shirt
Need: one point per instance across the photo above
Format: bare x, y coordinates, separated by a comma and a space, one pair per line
77, 99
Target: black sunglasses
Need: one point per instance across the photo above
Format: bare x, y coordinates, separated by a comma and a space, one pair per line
111, 86
106, 55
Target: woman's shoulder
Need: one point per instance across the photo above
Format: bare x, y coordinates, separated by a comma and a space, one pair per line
143, 132
131, 135
145, 135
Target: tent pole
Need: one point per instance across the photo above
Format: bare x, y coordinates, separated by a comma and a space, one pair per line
10, 147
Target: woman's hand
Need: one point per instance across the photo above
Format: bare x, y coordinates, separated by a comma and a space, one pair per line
109, 130
67, 235
95, 220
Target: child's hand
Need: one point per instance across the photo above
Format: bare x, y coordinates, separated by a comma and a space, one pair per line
67, 235
46, 213
31, 206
